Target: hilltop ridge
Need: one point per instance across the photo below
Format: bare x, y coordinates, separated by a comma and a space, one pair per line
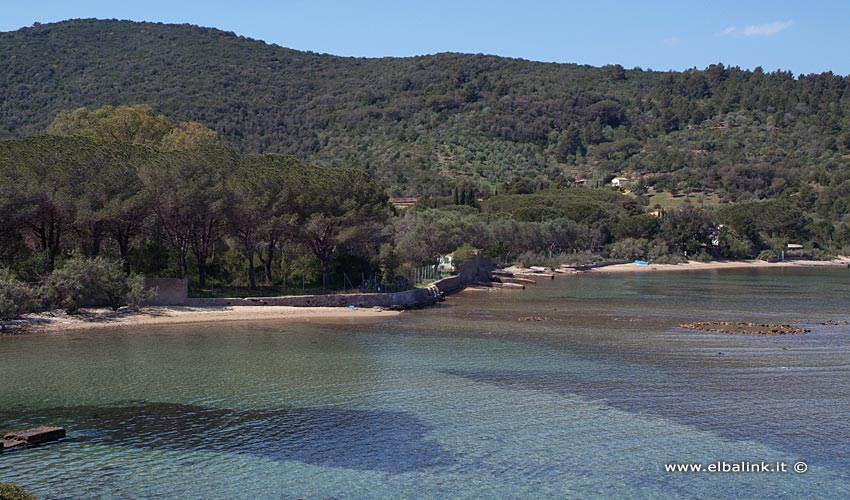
423, 124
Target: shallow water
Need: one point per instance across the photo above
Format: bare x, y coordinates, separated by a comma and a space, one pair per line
459, 401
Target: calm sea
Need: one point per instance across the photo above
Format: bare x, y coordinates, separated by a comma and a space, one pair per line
582, 387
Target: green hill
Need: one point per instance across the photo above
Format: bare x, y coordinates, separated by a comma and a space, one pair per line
423, 124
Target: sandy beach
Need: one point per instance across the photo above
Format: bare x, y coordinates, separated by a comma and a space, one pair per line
95, 319
707, 266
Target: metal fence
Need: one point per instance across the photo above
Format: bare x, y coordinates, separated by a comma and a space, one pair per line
426, 274
406, 281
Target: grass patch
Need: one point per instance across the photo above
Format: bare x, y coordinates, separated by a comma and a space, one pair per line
666, 200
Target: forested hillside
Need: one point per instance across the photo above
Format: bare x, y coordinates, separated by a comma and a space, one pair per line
146, 148
424, 124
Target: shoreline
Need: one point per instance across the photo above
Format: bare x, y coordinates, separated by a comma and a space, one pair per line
90, 319
693, 265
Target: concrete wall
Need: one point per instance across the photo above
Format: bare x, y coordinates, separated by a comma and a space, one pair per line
478, 269
407, 299
469, 272
169, 291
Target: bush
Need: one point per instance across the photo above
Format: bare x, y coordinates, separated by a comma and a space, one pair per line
464, 253
553, 260
670, 258
9, 491
91, 282
733, 246
630, 249
822, 254
659, 253
16, 297
527, 258
702, 256
579, 258
768, 256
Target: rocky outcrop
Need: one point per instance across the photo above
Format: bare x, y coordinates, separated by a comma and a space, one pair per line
743, 328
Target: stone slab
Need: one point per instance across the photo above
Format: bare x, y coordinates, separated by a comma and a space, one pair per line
37, 435
12, 444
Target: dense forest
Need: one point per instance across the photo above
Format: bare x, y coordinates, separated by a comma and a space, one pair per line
421, 123
186, 151
165, 199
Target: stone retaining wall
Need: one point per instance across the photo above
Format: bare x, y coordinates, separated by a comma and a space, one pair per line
169, 291
407, 299
469, 272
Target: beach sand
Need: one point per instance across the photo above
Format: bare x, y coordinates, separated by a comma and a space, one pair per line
738, 264
95, 319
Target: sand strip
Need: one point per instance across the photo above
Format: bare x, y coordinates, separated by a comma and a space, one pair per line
93, 319
707, 266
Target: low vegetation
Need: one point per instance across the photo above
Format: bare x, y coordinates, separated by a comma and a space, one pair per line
9, 491
93, 282
78, 283
16, 297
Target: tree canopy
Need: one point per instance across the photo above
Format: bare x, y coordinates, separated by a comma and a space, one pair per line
137, 124
193, 152
422, 125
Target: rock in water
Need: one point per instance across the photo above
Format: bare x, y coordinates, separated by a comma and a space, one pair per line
37, 435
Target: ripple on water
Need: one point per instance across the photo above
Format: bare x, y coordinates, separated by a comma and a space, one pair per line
454, 402
357, 439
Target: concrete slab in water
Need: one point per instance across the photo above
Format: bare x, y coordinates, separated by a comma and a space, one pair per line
11, 444
33, 436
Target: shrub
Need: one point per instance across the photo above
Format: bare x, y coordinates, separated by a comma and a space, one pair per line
99, 281
464, 253
823, 254
658, 252
768, 255
670, 258
732, 246
554, 260
630, 249
579, 258
16, 297
702, 256
528, 259
9, 491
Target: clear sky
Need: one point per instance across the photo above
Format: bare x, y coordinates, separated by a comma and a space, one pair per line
801, 36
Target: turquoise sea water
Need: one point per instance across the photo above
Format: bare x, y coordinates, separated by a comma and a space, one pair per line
470, 399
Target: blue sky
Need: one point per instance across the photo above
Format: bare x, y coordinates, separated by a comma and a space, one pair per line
803, 37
